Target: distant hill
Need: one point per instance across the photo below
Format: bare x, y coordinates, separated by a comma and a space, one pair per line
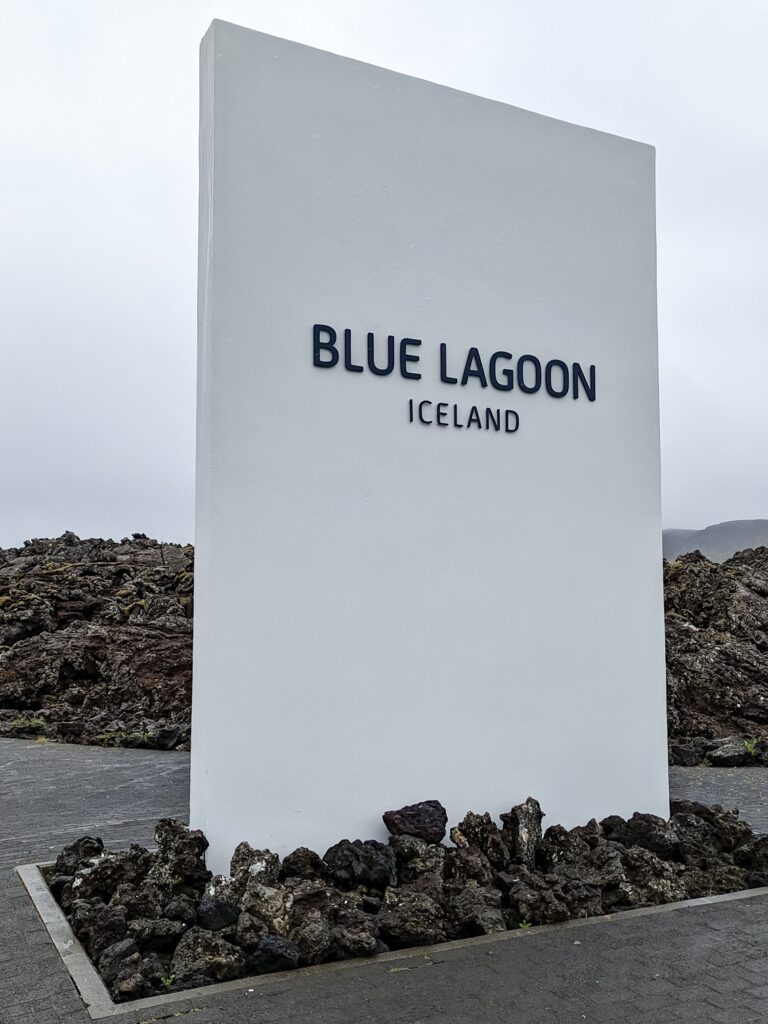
717, 542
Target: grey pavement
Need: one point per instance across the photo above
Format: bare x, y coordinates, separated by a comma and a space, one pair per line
700, 964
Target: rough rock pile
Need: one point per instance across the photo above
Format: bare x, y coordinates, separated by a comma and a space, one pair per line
96, 647
717, 659
158, 922
96, 641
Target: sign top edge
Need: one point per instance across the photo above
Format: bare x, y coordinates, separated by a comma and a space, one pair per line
218, 25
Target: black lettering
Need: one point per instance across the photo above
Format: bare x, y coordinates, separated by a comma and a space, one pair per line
456, 418
410, 410
390, 356
579, 378
506, 374
492, 416
324, 346
551, 389
421, 415
507, 428
474, 417
529, 389
442, 411
473, 367
443, 374
348, 364
408, 357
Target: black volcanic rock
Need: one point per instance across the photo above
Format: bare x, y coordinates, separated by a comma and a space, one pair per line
522, 831
411, 918
369, 864
77, 854
96, 647
215, 913
96, 641
426, 820
98, 926
206, 955
717, 658
169, 926
303, 863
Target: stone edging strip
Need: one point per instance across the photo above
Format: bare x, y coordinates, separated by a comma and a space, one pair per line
96, 997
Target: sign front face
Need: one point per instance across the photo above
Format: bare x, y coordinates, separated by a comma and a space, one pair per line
428, 527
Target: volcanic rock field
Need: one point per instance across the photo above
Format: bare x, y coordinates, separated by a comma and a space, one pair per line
96, 647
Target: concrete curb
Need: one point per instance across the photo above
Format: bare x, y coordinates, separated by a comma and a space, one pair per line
99, 1003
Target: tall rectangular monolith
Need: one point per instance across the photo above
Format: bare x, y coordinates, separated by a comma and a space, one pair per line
428, 514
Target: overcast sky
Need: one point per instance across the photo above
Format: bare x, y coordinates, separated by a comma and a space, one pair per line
98, 178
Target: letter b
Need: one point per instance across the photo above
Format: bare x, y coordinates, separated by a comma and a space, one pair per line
320, 346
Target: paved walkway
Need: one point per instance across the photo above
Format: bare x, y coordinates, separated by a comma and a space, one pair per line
698, 965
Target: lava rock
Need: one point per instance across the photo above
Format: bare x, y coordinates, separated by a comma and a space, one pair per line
214, 913
181, 908
652, 833
179, 867
411, 918
354, 933
111, 960
426, 820
419, 863
96, 647
713, 880
250, 931
261, 864
560, 845
97, 926
591, 833
303, 863
729, 752
169, 926
77, 855
61, 887
465, 864
481, 830
600, 867
153, 934
274, 954
475, 911
143, 900
717, 670
166, 737
650, 881
204, 954
753, 857
731, 832
533, 898
131, 982
312, 937
687, 753
370, 864
96, 641
521, 831
269, 904
698, 840
102, 876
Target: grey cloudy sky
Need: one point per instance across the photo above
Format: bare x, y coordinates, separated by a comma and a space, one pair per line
98, 179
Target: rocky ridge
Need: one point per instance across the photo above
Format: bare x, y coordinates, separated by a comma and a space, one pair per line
158, 921
96, 647
717, 659
96, 641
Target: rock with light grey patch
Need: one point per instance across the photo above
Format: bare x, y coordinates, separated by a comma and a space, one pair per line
521, 831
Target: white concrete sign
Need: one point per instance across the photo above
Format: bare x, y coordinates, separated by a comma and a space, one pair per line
428, 529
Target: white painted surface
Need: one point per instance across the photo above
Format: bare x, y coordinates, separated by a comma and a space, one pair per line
388, 612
